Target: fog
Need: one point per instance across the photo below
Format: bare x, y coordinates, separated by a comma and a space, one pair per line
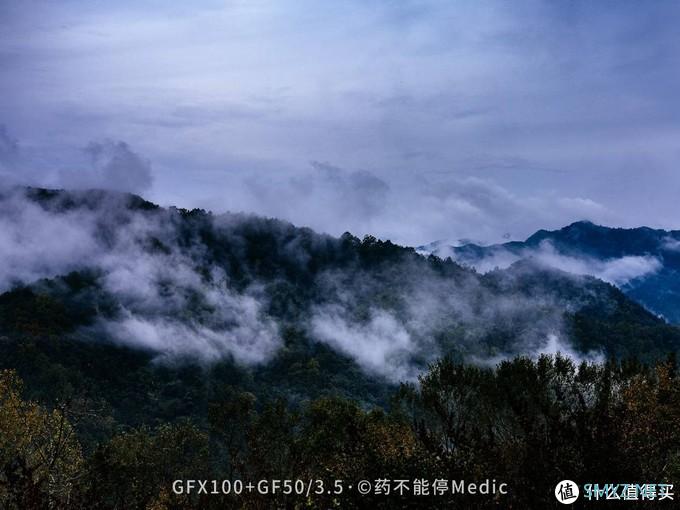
158, 290
174, 299
426, 316
617, 271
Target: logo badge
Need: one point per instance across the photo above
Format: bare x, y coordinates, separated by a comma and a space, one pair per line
567, 492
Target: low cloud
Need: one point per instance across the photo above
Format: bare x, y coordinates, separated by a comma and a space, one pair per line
36, 244
9, 148
407, 209
172, 300
380, 345
108, 164
671, 244
251, 341
426, 316
327, 198
113, 166
617, 271
553, 345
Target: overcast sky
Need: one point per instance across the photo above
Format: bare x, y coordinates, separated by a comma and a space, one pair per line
413, 121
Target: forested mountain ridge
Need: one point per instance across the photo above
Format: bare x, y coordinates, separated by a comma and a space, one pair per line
231, 285
643, 262
111, 274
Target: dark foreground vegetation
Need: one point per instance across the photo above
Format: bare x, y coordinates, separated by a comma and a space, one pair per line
527, 423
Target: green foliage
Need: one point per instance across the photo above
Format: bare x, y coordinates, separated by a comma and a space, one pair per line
40, 457
535, 423
24, 311
136, 469
527, 423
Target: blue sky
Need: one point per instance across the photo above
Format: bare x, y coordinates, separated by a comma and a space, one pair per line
409, 120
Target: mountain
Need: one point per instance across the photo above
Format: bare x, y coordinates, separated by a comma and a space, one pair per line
152, 308
141, 345
643, 262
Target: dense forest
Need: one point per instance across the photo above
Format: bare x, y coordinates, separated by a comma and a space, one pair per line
525, 423
140, 345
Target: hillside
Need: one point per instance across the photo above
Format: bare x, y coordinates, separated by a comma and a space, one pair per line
123, 294
643, 262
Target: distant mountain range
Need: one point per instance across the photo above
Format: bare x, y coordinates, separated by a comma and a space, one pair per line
643, 262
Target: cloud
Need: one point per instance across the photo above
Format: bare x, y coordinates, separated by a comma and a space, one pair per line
13, 168
406, 209
108, 164
617, 271
35, 244
318, 198
173, 302
251, 341
671, 244
622, 270
426, 315
9, 148
113, 166
381, 345
567, 108
555, 344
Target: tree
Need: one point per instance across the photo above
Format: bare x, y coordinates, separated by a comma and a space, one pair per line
40, 457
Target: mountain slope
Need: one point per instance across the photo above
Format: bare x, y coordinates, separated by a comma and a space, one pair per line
151, 311
643, 262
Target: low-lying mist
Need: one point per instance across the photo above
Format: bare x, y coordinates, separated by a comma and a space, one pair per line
190, 284
170, 300
617, 271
